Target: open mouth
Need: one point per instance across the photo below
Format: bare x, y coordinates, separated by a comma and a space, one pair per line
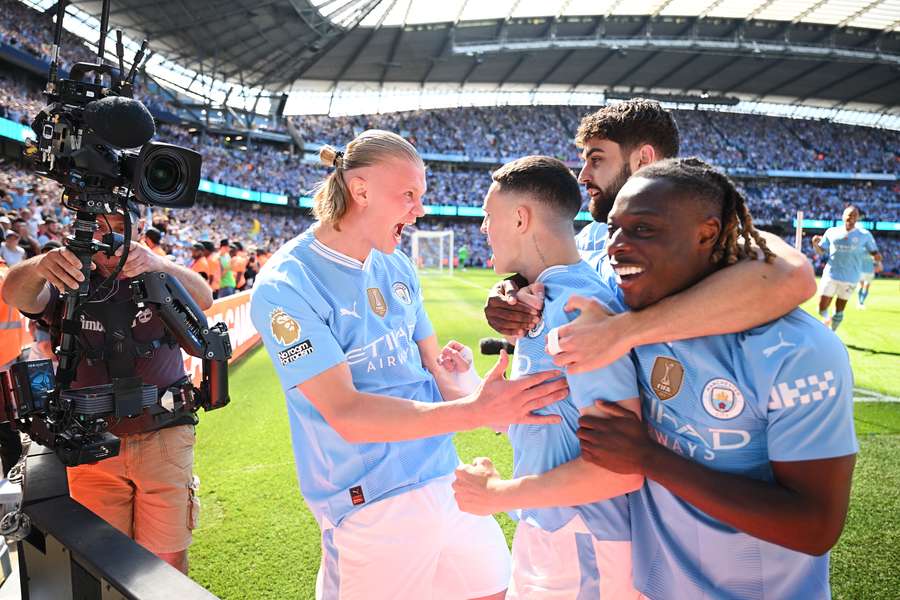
398, 231
626, 273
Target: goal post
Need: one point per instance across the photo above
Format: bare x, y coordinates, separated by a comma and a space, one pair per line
433, 251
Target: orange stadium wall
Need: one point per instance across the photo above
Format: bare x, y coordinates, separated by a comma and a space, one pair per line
234, 311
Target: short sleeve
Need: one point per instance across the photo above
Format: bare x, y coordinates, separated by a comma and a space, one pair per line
825, 244
810, 407
47, 315
871, 246
612, 383
294, 332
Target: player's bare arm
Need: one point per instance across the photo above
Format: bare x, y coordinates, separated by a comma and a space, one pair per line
804, 509
479, 489
361, 417
767, 291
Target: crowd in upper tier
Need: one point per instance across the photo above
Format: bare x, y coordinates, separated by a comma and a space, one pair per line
740, 143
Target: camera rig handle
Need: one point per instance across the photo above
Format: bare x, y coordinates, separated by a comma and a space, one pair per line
187, 323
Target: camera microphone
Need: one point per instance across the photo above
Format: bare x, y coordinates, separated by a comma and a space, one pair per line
119, 121
490, 346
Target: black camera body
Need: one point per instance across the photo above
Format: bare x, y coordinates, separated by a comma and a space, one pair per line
95, 141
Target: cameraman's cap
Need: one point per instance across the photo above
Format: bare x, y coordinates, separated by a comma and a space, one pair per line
5, 220
207, 245
197, 245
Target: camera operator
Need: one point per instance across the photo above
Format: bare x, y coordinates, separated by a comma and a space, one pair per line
148, 490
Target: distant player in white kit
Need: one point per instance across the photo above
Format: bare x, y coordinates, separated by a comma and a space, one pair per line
341, 315
846, 247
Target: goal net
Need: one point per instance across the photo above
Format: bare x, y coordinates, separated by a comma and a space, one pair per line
432, 251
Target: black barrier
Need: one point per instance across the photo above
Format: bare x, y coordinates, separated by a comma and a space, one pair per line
72, 553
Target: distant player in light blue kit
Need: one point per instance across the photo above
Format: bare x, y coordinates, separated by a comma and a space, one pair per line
751, 446
341, 315
867, 275
573, 536
846, 247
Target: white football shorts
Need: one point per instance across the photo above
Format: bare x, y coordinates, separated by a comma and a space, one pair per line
832, 287
867, 277
416, 545
569, 564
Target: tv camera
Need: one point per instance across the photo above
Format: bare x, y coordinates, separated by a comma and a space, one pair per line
94, 139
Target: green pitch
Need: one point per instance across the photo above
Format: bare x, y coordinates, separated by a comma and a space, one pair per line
257, 539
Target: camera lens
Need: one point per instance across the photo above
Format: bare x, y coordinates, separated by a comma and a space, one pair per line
163, 175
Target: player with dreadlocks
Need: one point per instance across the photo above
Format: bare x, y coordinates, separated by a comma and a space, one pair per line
751, 445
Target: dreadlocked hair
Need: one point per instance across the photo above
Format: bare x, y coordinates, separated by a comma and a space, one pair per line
694, 178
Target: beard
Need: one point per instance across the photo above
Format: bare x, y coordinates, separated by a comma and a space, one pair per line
600, 205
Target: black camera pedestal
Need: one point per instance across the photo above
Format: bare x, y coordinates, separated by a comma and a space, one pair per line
73, 553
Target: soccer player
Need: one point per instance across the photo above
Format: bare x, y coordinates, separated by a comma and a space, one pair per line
341, 314
868, 269
845, 246
573, 536
615, 141
751, 448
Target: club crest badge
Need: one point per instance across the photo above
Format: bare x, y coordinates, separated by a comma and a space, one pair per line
722, 399
285, 329
401, 291
666, 377
376, 302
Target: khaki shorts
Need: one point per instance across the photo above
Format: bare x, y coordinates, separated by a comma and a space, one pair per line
148, 492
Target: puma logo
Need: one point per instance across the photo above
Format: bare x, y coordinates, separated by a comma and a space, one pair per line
350, 313
768, 352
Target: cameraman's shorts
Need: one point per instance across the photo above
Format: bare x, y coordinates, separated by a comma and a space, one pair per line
415, 545
148, 492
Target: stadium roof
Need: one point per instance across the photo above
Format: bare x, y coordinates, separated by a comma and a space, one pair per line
821, 52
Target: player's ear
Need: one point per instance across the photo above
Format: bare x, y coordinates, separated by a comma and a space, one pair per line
644, 155
709, 232
523, 218
358, 191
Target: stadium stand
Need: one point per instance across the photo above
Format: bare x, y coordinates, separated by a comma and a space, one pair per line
461, 145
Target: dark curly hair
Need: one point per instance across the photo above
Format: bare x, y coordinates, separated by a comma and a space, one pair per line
694, 178
630, 124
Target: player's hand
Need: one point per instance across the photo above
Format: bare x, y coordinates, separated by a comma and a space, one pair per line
61, 268
592, 340
476, 487
141, 259
511, 311
455, 357
498, 401
615, 439
816, 240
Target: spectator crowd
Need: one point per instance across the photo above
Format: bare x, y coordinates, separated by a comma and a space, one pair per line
745, 144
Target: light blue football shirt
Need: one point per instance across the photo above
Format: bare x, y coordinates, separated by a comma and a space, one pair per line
592, 237
867, 265
540, 448
845, 250
779, 392
316, 308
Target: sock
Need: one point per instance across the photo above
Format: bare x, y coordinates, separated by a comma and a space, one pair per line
863, 294
823, 313
836, 320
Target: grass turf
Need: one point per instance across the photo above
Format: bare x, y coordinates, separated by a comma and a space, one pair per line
257, 539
